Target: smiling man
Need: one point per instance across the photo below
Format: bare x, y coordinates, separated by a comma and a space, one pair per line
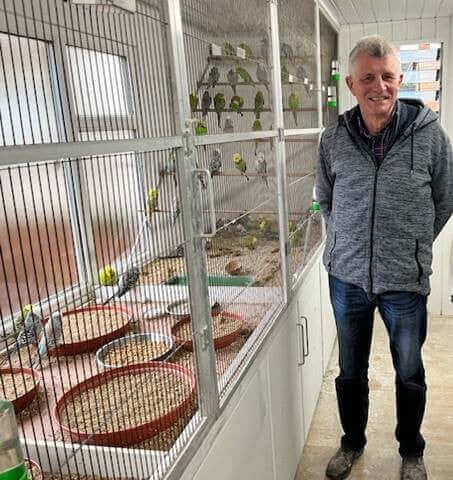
385, 187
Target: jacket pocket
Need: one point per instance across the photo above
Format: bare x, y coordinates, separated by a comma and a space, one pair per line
398, 261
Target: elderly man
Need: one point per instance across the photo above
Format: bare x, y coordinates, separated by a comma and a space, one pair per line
385, 187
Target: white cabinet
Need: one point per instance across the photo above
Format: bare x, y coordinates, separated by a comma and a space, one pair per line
310, 329
329, 330
286, 398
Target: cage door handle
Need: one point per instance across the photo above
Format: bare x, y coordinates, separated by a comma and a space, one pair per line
302, 344
307, 350
205, 171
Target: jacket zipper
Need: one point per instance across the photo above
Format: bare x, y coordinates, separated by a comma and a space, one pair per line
376, 168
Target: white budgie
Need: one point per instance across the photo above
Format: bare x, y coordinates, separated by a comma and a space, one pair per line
51, 336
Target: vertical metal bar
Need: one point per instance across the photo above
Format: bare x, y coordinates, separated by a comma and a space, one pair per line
208, 394
280, 152
318, 64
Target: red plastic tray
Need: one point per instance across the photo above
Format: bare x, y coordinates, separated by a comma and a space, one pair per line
219, 342
94, 343
22, 402
133, 435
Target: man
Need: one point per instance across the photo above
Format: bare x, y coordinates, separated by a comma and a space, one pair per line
385, 187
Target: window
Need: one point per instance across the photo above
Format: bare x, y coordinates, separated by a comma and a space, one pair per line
421, 64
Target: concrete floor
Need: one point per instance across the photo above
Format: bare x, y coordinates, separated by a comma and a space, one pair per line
380, 459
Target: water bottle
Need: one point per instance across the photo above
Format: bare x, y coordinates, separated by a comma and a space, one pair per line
11, 457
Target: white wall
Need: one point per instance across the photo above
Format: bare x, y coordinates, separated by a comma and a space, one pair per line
426, 29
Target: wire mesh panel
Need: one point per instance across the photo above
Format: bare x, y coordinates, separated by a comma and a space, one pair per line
330, 76
304, 222
243, 258
229, 65
73, 72
298, 63
96, 361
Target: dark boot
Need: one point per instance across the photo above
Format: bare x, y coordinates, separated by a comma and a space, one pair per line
340, 465
413, 468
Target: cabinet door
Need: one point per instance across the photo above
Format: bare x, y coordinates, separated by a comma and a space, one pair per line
329, 330
286, 397
309, 324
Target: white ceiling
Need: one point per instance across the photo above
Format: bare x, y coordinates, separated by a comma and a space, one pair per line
370, 11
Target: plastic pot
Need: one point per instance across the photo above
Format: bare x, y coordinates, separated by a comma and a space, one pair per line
24, 400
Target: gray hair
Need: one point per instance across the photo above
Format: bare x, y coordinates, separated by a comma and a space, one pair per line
373, 45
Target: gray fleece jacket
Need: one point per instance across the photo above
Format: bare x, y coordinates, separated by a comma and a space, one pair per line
382, 220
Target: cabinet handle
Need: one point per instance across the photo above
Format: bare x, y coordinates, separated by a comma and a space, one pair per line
307, 350
302, 344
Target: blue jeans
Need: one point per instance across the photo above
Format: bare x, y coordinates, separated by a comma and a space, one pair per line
405, 318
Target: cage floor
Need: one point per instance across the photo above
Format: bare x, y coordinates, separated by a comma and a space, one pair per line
62, 373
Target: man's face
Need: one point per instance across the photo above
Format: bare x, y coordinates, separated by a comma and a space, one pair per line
375, 83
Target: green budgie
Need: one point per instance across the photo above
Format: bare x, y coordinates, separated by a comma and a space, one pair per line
247, 49
240, 164
228, 49
201, 128
219, 105
257, 127
246, 78
151, 202
263, 225
213, 77
193, 97
285, 74
236, 104
259, 103
294, 104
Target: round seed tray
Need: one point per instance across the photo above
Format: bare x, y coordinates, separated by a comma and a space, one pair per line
220, 341
151, 337
33, 469
88, 345
26, 398
131, 435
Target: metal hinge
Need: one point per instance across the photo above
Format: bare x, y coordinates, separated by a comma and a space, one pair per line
204, 338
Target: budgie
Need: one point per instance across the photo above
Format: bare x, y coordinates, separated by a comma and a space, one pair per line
256, 127
29, 333
262, 76
233, 79
247, 49
127, 281
228, 127
219, 106
265, 49
51, 337
263, 225
151, 202
302, 75
20, 318
236, 104
108, 276
285, 74
228, 49
201, 128
240, 164
261, 167
168, 167
286, 51
205, 103
294, 104
213, 77
246, 78
193, 97
215, 164
176, 210
249, 242
259, 103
